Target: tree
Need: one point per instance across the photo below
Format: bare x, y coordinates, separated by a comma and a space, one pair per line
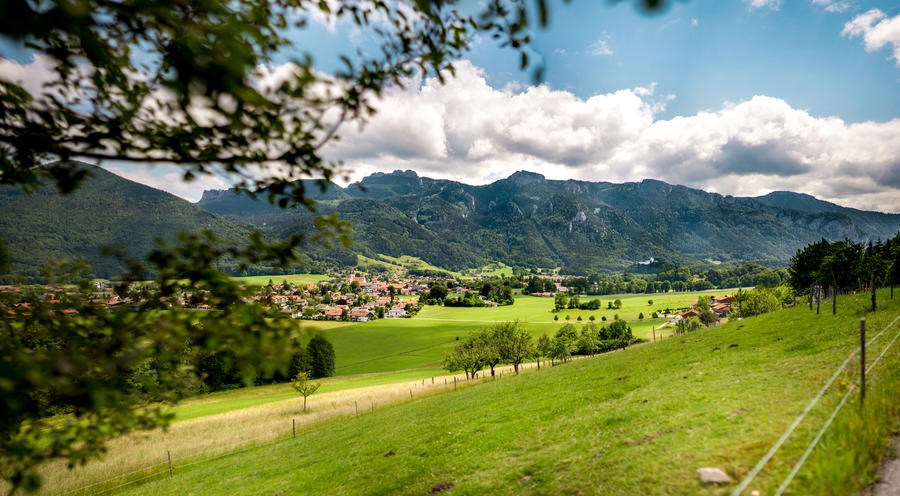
707, 316
587, 338
513, 342
560, 302
304, 386
650, 302
641, 316
488, 341
617, 304
565, 342
542, 348
192, 84
468, 356
438, 292
321, 357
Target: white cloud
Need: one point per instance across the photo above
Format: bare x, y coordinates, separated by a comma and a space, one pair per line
837, 6
601, 46
877, 31
466, 130
694, 21
759, 4
31, 76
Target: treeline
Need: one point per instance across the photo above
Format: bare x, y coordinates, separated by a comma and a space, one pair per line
673, 278
218, 372
439, 294
845, 266
509, 343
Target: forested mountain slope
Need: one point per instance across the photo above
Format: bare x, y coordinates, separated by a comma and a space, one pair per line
526, 219
107, 210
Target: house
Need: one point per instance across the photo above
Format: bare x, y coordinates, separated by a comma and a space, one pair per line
690, 313
721, 309
726, 300
395, 313
333, 313
360, 314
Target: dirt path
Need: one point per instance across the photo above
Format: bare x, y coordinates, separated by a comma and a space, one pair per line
889, 475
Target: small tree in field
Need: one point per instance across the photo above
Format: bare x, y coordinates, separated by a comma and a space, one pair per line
304, 386
542, 348
513, 342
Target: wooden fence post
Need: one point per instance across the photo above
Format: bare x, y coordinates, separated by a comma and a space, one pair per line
862, 360
171, 472
294, 428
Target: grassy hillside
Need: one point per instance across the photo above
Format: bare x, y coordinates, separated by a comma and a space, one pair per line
299, 279
634, 422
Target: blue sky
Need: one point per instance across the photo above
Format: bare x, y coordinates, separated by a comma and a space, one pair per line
705, 52
739, 97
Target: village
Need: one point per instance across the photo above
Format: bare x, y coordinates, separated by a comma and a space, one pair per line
354, 297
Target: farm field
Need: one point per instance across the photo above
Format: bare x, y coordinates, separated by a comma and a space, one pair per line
396, 344
292, 278
639, 421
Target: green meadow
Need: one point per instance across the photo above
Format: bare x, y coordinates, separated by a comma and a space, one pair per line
292, 278
396, 344
638, 421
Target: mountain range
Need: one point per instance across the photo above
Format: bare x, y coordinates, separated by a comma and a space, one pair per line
524, 219
529, 220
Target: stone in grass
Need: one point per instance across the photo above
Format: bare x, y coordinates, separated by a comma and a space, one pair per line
709, 475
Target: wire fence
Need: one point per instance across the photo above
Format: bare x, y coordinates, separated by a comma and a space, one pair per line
787, 433
168, 468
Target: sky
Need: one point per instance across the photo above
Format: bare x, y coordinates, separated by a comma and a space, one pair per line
739, 97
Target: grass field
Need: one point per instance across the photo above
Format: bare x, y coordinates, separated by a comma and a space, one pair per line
396, 344
639, 421
404, 262
292, 278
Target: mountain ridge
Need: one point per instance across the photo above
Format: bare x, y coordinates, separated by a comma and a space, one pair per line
529, 220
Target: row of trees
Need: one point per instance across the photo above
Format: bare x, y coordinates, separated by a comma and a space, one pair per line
669, 278
439, 294
510, 343
843, 266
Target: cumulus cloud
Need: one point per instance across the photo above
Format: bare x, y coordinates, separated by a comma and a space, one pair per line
467, 130
877, 30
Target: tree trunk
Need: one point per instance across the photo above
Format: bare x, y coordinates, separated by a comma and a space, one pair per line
539, 363
872, 285
810, 298
834, 299
304, 404
516, 367
818, 300
492, 371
